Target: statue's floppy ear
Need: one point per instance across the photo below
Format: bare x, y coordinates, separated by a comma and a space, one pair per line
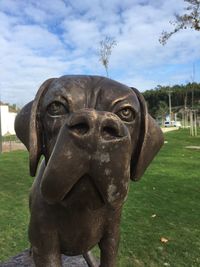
22, 121
28, 128
35, 136
150, 141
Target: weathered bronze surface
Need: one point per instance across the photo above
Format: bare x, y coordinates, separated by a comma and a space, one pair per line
95, 135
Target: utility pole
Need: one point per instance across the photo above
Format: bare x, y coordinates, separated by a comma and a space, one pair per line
193, 121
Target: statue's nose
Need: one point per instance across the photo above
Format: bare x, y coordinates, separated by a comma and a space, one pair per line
89, 125
81, 124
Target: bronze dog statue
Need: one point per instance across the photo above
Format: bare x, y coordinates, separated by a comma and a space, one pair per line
95, 134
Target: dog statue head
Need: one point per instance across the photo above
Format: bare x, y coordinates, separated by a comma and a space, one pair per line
88, 126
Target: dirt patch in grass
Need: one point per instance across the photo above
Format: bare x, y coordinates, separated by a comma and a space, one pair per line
193, 147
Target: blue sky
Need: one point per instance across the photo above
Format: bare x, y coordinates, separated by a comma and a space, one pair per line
50, 38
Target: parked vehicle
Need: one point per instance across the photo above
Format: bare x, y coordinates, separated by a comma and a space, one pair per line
172, 124
177, 124
167, 124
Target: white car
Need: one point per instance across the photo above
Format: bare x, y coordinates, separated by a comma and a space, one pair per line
167, 123
172, 124
177, 124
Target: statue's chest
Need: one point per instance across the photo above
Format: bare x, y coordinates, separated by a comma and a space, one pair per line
79, 231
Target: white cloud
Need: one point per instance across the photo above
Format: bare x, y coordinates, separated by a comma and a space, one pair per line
42, 39
80, 33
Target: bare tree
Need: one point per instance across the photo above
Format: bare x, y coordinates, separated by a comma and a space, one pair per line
106, 46
191, 19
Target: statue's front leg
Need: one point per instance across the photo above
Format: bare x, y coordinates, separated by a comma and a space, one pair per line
45, 247
109, 247
43, 259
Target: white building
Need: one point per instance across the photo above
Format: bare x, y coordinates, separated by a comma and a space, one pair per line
7, 120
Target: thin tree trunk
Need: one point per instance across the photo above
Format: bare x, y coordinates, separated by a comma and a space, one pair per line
106, 71
195, 124
191, 124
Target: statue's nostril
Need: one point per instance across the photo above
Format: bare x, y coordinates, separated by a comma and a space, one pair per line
110, 132
80, 128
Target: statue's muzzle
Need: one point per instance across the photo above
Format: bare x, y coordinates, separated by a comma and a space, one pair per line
89, 128
94, 143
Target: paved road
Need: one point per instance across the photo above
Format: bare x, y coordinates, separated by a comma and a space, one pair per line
169, 129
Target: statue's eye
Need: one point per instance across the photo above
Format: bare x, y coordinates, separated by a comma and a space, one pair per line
57, 109
126, 114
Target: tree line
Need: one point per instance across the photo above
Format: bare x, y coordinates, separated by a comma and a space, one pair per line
182, 97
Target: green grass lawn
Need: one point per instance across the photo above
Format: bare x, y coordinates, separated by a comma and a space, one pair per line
169, 190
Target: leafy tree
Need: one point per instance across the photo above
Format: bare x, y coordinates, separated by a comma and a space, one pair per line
162, 111
191, 19
106, 46
13, 108
181, 97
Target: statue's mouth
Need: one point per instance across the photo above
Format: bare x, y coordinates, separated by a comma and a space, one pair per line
84, 193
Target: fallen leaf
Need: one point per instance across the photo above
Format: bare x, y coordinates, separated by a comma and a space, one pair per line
164, 240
